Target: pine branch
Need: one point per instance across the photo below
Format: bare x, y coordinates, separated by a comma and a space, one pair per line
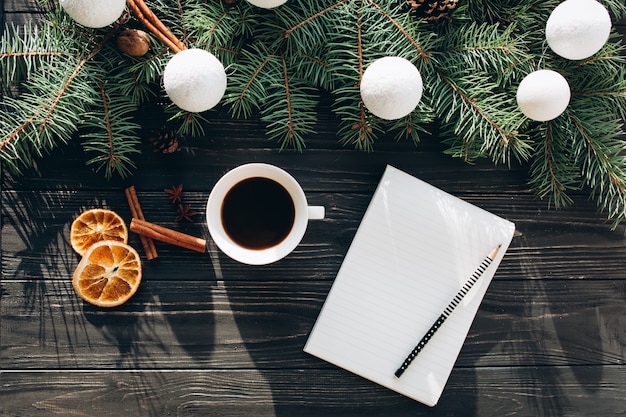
495, 50
404, 39
50, 111
473, 92
496, 11
584, 146
310, 66
600, 81
247, 87
305, 24
140, 78
111, 133
617, 8
600, 152
346, 57
219, 29
411, 125
277, 60
25, 49
553, 171
290, 110
189, 124
306, 27
482, 121
46, 115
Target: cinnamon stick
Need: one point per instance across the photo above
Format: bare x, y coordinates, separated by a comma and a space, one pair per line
163, 234
136, 212
141, 10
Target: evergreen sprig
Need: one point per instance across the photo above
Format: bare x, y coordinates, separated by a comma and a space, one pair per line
25, 49
111, 134
55, 97
584, 147
75, 85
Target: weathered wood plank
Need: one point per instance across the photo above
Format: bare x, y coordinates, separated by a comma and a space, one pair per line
20, 5
200, 164
19, 12
323, 175
568, 244
264, 324
214, 338
485, 392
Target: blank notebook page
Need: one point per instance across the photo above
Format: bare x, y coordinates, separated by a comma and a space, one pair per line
414, 249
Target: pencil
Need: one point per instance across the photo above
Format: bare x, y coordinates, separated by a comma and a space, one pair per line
446, 313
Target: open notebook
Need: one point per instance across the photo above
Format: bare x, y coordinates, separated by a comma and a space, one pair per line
414, 249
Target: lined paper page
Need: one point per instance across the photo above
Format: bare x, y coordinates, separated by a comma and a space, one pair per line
414, 249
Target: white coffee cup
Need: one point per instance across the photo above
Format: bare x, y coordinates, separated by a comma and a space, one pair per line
257, 213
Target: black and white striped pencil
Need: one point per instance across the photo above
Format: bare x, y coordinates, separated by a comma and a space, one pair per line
446, 313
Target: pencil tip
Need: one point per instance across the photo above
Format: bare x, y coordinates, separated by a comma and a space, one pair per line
494, 252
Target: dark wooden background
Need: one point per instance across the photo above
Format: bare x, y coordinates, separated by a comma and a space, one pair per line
205, 336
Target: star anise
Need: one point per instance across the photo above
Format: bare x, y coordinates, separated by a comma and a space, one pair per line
175, 193
185, 213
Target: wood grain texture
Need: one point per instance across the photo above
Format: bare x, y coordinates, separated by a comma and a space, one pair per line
574, 243
511, 391
206, 336
201, 324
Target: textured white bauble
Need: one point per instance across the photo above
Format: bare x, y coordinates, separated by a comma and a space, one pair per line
267, 4
577, 29
543, 95
94, 13
195, 80
391, 87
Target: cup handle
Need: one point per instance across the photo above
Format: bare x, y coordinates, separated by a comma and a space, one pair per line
316, 212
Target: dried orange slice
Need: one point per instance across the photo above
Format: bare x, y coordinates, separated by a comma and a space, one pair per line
108, 274
95, 225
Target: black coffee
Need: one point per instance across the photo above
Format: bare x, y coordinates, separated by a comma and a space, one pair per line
258, 213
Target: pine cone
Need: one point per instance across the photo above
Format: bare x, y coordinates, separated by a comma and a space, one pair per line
165, 140
432, 9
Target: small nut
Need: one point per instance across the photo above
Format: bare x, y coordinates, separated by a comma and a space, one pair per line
133, 42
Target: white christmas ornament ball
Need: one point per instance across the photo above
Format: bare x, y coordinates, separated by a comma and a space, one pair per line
195, 80
391, 87
577, 29
267, 4
543, 95
94, 13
